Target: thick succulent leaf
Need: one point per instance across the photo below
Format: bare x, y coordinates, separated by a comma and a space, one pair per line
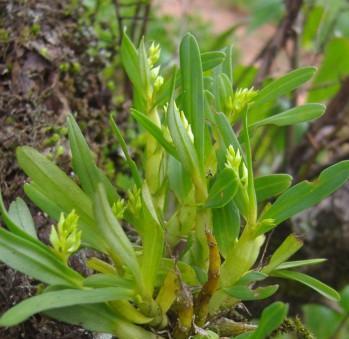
287, 248
20, 215
284, 85
193, 91
36, 260
118, 242
108, 280
271, 318
84, 165
61, 298
309, 281
223, 189
188, 274
268, 186
293, 116
306, 194
155, 131
226, 227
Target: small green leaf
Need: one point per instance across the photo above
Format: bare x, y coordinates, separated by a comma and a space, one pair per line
223, 189
345, 299
134, 171
306, 194
299, 263
84, 165
193, 91
245, 293
284, 85
155, 131
212, 59
293, 116
99, 280
20, 214
226, 227
288, 247
309, 281
268, 186
271, 318
61, 298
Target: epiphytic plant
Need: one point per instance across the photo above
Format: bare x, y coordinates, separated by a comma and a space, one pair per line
200, 213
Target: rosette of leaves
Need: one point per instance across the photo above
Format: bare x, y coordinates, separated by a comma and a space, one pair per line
199, 212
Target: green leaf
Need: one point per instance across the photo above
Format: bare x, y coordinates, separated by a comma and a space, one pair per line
99, 318
212, 59
271, 318
226, 227
155, 131
306, 194
242, 292
284, 85
52, 185
84, 165
114, 235
287, 248
223, 189
193, 91
129, 59
299, 263
309, 281
153, 242
61, 298
293, 116
268, 186
99, 280
188, 274
184, 146
345, 299
36, 260
20, 215
134, 171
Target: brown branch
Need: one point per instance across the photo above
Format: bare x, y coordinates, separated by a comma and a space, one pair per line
204, 297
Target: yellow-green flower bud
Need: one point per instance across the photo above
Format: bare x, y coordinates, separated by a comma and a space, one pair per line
154, 54
65, 237
134, 200
267, 223
158, 83
186, 126
119, 208
233, 159
154, 73
244, 176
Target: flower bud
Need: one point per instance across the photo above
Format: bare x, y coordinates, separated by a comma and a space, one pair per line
119, 208
154, 54
186, 126
233, 159
244, 176
66, 238
134, 200
158, 83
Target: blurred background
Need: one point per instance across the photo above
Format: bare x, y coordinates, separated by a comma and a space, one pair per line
62, 56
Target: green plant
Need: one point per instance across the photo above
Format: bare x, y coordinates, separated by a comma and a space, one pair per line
200, 215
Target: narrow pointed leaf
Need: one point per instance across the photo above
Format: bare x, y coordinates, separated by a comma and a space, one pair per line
155, 131
61, 298
114, 235
299, 263
284, 85
293, 116
306, 194
287, 248
212, 59
84, 165
309, 281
